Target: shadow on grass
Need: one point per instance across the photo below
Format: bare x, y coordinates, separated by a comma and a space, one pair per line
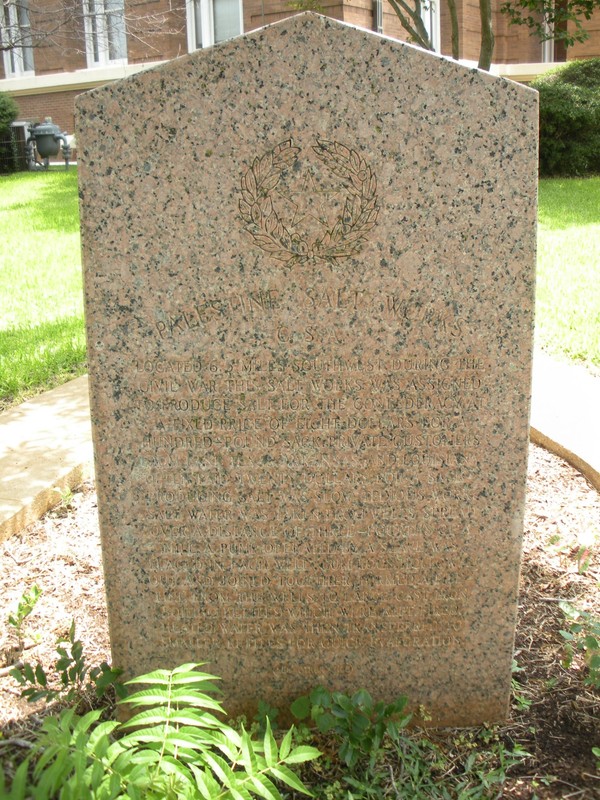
44, 355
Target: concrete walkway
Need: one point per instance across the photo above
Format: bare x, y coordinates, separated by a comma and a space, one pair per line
565, 413
45, 447
46, 444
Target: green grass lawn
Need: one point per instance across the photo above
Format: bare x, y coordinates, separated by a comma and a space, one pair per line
42, 340
568, 281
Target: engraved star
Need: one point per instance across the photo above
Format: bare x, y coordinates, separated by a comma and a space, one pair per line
311, 207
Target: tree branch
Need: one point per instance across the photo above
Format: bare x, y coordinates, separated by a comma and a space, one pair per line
412, 23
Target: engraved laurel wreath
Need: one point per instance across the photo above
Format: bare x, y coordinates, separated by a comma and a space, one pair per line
347, 235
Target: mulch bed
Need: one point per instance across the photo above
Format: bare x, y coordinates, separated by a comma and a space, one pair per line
556, 718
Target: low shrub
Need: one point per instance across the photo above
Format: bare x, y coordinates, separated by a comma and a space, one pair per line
582, 73
570, 119
8, 114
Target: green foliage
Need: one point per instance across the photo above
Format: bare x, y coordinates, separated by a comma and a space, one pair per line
582, 73
425, 772
358, 723
266, 713
547, 19
582, 636
66, 500
469, 765
173, 748
570, 119
519, 699
26, 605
75, 677
9, 111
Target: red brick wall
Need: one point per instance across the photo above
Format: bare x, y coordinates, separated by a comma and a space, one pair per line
514, 45
58, 105
258, 13
64, 51
356, 12
591, 47
164, 16
391, 24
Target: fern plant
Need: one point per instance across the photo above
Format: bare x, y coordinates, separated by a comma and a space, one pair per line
173, 748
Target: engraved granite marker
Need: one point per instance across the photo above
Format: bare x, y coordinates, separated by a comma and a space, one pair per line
309, 260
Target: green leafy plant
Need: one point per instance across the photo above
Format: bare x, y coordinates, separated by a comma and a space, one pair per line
65, 503
26, 605
570, 119
584, 557
265, 712
547, 20
75, 677
582, 636
520, 701
173, 748
9, 111
481, 776
469, 768
358, 723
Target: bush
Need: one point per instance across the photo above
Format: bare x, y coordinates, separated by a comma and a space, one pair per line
570, 119
582, 73
9, 111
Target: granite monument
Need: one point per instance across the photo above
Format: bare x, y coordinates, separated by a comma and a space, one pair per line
309, 273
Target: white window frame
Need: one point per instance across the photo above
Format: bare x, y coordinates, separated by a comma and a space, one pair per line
430, 14
17, 58
207, 23
548, 45
97, 33
378, 16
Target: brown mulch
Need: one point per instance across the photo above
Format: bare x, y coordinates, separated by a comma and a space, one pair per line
556, 717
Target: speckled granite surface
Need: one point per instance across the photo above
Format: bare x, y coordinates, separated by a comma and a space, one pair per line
309, 268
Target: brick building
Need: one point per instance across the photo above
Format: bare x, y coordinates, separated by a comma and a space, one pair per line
90, 42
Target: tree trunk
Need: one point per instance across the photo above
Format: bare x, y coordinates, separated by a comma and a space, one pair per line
487, 35
454, 29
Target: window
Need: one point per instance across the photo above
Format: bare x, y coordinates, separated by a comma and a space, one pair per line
212, 21
430, 14
378, 16
548, 50
554, 50
15, 31
106, 42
